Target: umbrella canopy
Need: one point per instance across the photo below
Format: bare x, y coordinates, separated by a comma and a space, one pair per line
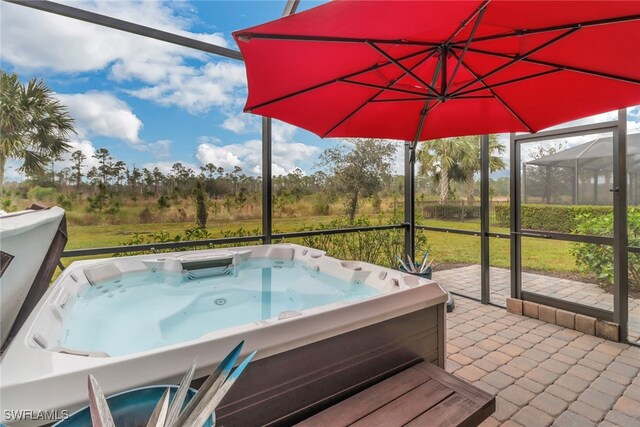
419, 70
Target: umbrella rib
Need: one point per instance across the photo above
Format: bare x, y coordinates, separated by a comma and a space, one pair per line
393, 89
337, 125
425, 110
382, 89
516, 115
483, 9
519, 33
561, 66
506, 82
424, 99
402, 67
334, 80
397, 99
475, 97
293, 37
479, 10
517, 59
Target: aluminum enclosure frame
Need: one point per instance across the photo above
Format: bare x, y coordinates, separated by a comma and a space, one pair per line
618, 241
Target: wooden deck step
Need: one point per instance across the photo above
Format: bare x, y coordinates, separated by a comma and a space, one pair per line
423, 395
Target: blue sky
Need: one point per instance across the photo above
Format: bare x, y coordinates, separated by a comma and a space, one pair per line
152, 103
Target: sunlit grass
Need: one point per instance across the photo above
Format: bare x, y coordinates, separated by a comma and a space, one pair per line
448, 248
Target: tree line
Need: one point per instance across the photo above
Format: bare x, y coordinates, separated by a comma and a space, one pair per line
36, 130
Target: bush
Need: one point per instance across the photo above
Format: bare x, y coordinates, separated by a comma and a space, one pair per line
320, 206
502, 215
201, 205
42, 193
450, 211
163, 202
64, 201
146, 216
561, 218
380, 247
598, 259
191, 234
7, 202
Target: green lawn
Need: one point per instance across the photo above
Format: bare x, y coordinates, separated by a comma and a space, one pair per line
538, 254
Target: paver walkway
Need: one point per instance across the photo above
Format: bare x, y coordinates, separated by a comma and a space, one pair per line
466, 281
540, 373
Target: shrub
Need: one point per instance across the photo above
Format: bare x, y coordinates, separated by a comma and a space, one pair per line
380, 247
7, 205
598, 259
22, 192
450, 211
191, 234
42, 193
321, 206
163, 202
64, 201
181, 214
502, 215
561, 218
7, 201
201, 205
146, 216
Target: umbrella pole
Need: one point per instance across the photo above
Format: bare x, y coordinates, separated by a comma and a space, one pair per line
409, 201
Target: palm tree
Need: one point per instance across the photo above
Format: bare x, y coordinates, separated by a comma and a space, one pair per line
439, 159
34, 126
469, 163
457, 159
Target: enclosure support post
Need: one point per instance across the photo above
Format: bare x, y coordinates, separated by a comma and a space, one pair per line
620, 254
514, 211
485, 174
575, 184
596, 173
266, 181
547, 184
524, 182
409, 201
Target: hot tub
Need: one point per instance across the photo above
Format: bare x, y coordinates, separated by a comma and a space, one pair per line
323, 328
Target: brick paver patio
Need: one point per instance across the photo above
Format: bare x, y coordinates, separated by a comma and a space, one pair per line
543, 374
466, 281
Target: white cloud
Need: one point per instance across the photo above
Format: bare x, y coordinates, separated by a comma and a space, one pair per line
78, 144
289, 154
242, 123
63, 44
248, 155
35, 40
160, 149
219, 156
277, 170
282, 132
197, 90
101, 113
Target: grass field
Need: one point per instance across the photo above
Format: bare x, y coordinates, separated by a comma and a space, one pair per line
448, 248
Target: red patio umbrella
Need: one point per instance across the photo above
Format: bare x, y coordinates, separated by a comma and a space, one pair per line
418, 70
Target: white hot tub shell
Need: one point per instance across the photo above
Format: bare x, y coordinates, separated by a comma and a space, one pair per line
316, 354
